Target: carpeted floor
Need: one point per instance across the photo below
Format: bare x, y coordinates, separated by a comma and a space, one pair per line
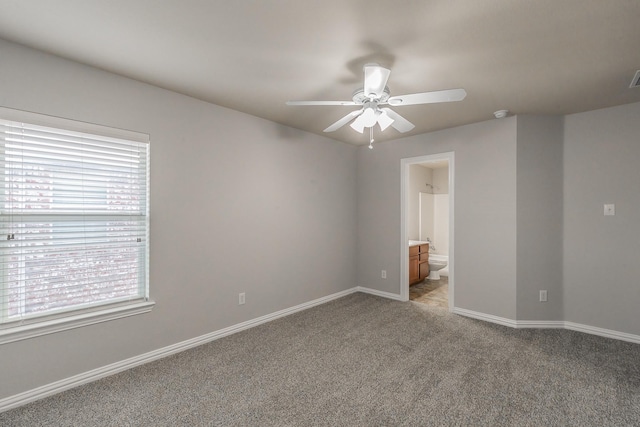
366, 361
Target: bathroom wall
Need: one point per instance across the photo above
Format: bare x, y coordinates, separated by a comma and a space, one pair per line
441, 223
441, 180
434, 221
418, 177
441, 210
433, 205
427, 212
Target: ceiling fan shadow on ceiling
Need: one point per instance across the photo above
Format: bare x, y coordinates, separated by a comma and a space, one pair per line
375, 94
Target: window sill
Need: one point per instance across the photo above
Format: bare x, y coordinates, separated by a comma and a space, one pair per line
71, 322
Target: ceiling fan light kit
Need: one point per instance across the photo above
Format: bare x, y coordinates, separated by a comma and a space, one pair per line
384, 120
375, 93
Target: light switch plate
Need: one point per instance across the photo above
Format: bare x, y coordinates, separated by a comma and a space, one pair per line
543, 296
610, 209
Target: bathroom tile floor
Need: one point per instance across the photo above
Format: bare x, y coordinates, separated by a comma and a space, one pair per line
431, 292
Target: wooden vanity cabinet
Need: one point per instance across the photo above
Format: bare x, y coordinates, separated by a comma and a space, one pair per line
418, 263
414, 264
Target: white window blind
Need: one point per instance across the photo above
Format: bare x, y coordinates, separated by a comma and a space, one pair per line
73, 219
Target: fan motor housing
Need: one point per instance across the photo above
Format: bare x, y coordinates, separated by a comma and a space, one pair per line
360, 98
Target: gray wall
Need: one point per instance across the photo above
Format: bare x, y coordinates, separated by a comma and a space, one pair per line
238, 204
485, 212
602, 253
539, 210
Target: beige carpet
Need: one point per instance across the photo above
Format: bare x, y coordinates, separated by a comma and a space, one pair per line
366, 361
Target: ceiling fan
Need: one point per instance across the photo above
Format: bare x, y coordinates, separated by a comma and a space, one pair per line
374, 94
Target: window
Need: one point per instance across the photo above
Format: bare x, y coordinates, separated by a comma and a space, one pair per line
74, 224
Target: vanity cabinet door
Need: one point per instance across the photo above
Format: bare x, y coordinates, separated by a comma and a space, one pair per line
424, 270
414, 269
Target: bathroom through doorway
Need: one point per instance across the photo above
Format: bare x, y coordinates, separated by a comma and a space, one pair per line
428, 225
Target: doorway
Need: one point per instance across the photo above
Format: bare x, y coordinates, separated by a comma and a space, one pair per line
410, 210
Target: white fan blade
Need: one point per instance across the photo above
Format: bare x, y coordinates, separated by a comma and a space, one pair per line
384, 120
399, 123
375, 80
343, 121
428, 97
321, 103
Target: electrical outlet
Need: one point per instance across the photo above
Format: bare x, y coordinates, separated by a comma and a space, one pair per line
384, 274
543, 296
241, 298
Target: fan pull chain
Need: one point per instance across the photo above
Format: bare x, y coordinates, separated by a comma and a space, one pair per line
371, 138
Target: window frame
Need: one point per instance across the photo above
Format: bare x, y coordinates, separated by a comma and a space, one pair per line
32, 326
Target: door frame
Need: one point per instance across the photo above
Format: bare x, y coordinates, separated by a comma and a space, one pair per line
404, 223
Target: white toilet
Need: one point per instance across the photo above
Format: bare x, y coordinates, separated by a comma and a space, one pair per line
436, 263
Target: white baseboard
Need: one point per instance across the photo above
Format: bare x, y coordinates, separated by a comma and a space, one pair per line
540, 324
383, 294
114, 368
608, 333
486, 317
549, 324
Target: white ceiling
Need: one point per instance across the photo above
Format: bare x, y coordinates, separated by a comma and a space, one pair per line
530, 57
